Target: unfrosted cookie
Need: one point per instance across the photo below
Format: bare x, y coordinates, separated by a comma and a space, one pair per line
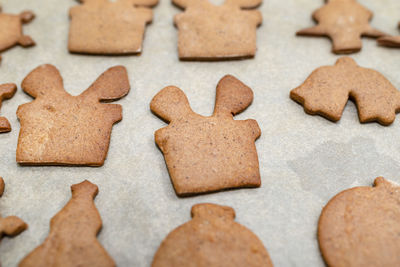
212, 239
360, 227
72, 239
390, 41
109, 27
60, 129
7, 91
210, 32
11, 30
327, 90
205, 154
344, 22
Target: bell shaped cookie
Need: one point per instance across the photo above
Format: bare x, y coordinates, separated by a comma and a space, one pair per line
7, 91
11, 225
210, 32
212, 239
390, 41
11, 30
327, 90
360, 227
206, 154
72, 240
109, 27
60, 129
344, 22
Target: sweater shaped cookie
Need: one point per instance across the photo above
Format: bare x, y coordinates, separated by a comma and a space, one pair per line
60, 129
360, 227
72, 240
205, 154
11, 30
210, 32
390, 41
344, 22
212, 239
327, 90
109, 27
7, 91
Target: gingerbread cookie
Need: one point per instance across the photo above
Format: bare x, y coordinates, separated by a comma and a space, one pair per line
210, 32
390, 41
361, 226
72, 239
109, 27
327, 89
206, 154
60, 129
344, 22
212, 238
12, 225
11, 30
7, 91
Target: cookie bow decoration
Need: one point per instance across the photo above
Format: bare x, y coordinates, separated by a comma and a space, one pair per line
212, 239
327, 90
12, 225
109, 27
11, 30
390, 41
7, 91
344, 22
210, 32
360, 227
60, 129
205, 154
72, 239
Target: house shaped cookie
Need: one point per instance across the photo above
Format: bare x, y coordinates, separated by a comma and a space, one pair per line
11, 30
72, 239
210, 32
212, 239
327, 90
205, 154
60, 129
7, 91
105, 27
344, 22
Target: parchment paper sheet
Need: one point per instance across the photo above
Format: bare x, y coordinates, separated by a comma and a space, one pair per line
304, 160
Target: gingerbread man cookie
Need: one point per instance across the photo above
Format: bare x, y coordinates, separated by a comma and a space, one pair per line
11, 30
72, 239
327, 90
109, 27
390, 41
360, 227
206, 154
210, 32
212, 239
344, 22
60, 129
7, 91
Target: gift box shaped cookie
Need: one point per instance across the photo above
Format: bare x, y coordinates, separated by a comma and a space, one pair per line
60, 129
210, 32
206, 154
107, 27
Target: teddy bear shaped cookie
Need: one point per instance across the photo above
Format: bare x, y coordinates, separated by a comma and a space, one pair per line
11, 30
109, 27
390, 41
7, 91
206, 154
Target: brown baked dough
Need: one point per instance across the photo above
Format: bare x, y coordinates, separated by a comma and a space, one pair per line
344, 22
11, 30
327, 90
72, 240
212, 239
210, 32
360, 227
206, 154
109, 28
60, 129
390, 41
7, 91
